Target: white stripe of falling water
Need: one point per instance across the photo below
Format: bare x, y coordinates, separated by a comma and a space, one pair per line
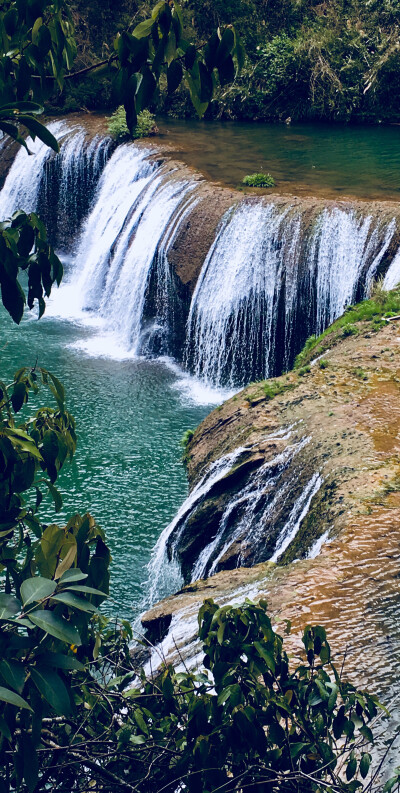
251, 524
379, 247
124, 178
227, 281
315, 549
77, 153
125, 289
164, 274
21, 188
392, 277
165, 576
297, 515
341, 247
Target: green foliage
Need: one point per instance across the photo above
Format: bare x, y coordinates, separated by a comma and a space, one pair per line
349, 330
24, 248
259, 180
186, 438
323, 364
304, 370
157, 47
369, 311
360, 373
273, 387
248, 715
146, 125
332, 60
118, 128
37, 47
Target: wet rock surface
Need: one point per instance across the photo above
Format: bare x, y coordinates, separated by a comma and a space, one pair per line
353, 521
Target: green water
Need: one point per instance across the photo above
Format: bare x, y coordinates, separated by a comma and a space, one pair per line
127, 470
306, 159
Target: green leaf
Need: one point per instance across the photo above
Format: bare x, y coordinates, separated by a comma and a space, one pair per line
351, 768
143, 28
9, 606
13, 699
22, 107
265, 655
4, 730
296, 749
365, 763
73, 601
13, 132
39, 130
13, 673
72, 575
61, 661
36, 588
87, 590
53, 689
146, 90
225, 46
174, 76
206, 83
57, 497
141, 722
226, 71
18, 396
199, 106
55, 626
190, 56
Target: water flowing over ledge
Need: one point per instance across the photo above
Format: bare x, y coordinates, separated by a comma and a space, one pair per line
277, 268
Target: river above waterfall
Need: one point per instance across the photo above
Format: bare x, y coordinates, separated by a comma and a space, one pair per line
325, 160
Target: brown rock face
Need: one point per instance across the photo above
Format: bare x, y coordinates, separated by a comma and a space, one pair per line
351, 412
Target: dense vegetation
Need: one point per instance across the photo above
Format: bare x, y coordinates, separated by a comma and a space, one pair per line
252, 720
319, 59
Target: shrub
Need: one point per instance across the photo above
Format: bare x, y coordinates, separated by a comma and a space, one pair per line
146, 125
186, 438
323, 364
118, 128
349, 330
259, 180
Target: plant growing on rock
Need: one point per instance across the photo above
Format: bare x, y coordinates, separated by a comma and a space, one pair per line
259, 180
118, 128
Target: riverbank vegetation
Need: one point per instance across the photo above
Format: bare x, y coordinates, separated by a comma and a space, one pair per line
370, 315
306, 59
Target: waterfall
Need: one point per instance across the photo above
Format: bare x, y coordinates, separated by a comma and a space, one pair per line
272, 277
392, 277
165, 575
256, 521
277, 271
133, 221
343, 249
59, 187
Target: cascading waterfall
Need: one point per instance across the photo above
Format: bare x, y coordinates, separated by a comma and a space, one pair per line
60, 187
162, 572
257, 523
278, 270
125, 238
345, 249
268, 283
